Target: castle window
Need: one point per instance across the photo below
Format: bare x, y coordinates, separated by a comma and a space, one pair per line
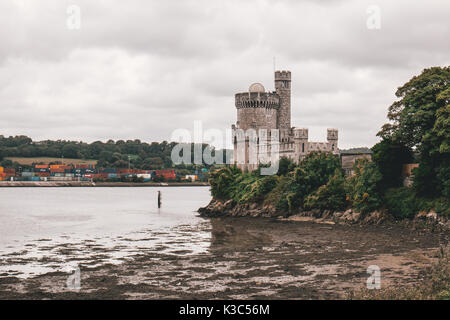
332, 147
303, 147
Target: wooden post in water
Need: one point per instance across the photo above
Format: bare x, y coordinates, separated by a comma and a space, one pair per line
159, 199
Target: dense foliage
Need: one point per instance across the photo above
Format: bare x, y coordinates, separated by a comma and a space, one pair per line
117, 154
331, 196
420, 120
290, 188
363, 188
390, 157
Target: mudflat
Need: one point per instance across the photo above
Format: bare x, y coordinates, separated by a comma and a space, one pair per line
247, 258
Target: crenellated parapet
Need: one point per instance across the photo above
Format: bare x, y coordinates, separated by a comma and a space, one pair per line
282, 75
257, 100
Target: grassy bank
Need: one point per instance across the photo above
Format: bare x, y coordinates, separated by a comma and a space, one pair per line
46, 160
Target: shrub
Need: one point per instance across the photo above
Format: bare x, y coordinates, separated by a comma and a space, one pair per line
222, 182
255, 190
331, 196
362, 187
401, 202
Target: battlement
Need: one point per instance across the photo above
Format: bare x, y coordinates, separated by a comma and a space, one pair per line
300, 133
332, 134
257, 100
283, 75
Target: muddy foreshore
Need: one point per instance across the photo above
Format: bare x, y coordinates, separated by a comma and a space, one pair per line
249, 258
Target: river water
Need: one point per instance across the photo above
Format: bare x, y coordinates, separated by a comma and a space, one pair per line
49, 228
127, 248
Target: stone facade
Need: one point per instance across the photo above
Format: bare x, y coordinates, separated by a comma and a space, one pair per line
258, 109
349, 159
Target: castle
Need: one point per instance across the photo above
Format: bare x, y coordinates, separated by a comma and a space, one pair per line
260, 112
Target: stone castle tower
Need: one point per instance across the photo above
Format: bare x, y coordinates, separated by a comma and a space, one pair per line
258, 109
283, 90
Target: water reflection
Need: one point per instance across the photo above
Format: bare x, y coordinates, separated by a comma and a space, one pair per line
104, 225
239, 233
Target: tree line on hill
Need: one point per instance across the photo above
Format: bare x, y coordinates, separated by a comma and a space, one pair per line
419, 130
110, 154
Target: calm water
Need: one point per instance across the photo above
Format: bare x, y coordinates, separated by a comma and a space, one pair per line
50, 229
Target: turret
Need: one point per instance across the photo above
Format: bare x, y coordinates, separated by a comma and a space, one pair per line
332, 137
283, 89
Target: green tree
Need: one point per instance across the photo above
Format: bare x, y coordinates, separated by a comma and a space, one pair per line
285, 165
390, 157
331, 196
363, 189
420, 120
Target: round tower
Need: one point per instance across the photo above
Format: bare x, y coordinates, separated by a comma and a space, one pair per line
283, 89
257, 109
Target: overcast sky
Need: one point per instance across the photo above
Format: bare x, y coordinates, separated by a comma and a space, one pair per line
141, 69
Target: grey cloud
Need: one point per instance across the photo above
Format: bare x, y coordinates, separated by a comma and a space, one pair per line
141, 69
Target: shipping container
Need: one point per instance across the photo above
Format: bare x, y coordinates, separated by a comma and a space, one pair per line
41, 166
60, 178
168, 174
112, 175
42, 174
27, 174
56, 170
84, 166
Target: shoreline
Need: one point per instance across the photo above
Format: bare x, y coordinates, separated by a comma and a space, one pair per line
426, 220
22, 184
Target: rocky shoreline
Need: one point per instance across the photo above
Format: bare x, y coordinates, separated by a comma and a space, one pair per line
428, 220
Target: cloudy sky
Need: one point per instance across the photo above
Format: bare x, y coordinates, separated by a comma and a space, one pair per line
141, 69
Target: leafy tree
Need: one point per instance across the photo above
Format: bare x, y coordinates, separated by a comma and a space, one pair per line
390, 157
285, 165
420, 120
70, 151
363, 187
